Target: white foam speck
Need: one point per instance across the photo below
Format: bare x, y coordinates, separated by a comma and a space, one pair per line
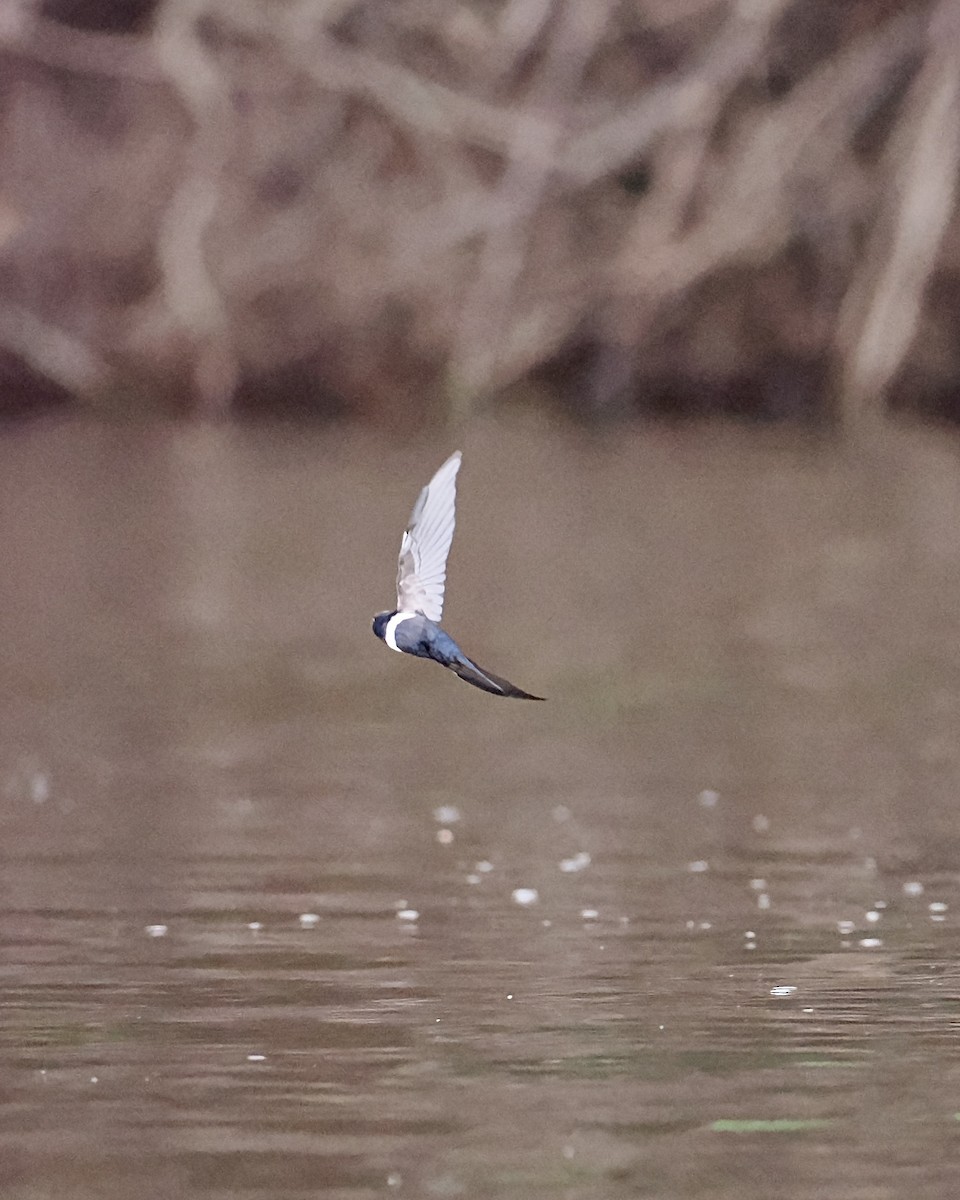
525, 896
784, 989
698, 867
156, 930
445, 836
913, 887
408, 914
309, 920
708, 798
589, 914
845, 927
870, 943
872, 916
937, 906
579, 862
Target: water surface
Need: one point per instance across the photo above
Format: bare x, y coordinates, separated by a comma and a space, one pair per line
259, 923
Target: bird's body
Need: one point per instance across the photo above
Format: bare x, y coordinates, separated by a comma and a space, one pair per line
413, 626
413, 633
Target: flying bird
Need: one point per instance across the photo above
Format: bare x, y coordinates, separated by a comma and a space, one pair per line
413, 627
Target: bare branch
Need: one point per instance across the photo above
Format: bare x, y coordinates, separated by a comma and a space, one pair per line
882, 308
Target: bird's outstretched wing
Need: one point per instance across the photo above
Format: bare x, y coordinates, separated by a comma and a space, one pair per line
422, 570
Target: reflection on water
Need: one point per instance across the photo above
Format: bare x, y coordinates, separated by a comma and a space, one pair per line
259, 922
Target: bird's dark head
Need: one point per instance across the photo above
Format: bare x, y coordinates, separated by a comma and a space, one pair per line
380, 623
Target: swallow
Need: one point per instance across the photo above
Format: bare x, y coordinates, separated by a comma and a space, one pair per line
413, 627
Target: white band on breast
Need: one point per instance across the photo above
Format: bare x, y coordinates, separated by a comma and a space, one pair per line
390, 633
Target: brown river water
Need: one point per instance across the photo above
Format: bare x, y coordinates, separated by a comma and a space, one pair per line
284, 915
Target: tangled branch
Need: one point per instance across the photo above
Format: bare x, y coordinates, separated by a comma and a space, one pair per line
419, 206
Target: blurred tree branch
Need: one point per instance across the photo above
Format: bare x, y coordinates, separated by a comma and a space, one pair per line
425, 203
882, 308
47, 44
193, 298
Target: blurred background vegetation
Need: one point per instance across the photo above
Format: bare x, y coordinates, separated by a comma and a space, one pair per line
403, 211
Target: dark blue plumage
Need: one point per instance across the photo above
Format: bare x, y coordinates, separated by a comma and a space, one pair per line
417, 635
